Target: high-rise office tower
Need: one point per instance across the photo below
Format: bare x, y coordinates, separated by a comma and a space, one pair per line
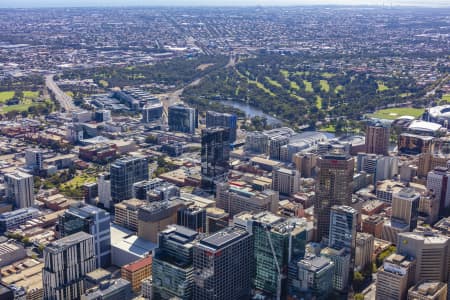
192, 217
20, 189
235, 199
92, 220
124, 173
312, 278
152, 112
182, 118
342, 244
215, 156
155, 217
66, 262
364, 250
405, 207
334, 186
343, 222
428, 290
377, 138
173, 263
381, 167
277, 240
431, 251
394, 277
438, 182
342, 262
285, 181
223, 265
215, 119
104, 190
34, 159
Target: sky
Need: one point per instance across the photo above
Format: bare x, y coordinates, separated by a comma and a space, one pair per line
82, 3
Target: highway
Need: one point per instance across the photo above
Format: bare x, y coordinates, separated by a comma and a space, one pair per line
64, 100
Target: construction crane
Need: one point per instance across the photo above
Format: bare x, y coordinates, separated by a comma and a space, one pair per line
279, 271
280, 274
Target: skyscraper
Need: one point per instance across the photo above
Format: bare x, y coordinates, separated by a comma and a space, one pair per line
215, 119
124, 172
34, 159
363, 250
20, 189
92, 220
431, 251
438, 182
215, 156
104, 190
223, 265
333, 187
152, 112
285, 181
342, 244
312, 278
288, 239
405, 207
377, 138
173, 263
182, 118
343, 222
66, 262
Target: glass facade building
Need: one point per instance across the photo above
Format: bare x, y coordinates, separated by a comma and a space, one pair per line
172, 269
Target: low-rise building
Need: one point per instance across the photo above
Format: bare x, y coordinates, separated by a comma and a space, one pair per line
137, 271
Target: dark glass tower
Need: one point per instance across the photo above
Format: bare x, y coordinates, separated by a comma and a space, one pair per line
214, 119
223, 265
215, 156
333, 187
124, 173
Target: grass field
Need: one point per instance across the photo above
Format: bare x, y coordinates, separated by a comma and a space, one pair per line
324, 86
285, 73
308, 86
5, 96
446, 97
273, 82
319, 102
382, 87
30, 94
104, 83
394, 113
69, 93
78, 181
328, 75
338, 88
294, 85
329, 128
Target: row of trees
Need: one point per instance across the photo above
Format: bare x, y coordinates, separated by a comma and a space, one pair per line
176, 72
281, 87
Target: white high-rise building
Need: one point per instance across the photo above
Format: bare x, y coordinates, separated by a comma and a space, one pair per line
33, 159
66, 262
438, 182
285, 181
104, 190
20, 189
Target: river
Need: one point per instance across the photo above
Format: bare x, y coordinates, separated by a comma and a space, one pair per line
251, 111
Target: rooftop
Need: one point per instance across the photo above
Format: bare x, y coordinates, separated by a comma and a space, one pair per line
223, 238
68, 241
139, 264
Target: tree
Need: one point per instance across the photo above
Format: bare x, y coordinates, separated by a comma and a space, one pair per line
359, 296
358, 280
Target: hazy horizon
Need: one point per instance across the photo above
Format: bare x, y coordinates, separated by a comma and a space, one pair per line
120, 3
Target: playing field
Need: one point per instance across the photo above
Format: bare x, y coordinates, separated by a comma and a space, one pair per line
394, 113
